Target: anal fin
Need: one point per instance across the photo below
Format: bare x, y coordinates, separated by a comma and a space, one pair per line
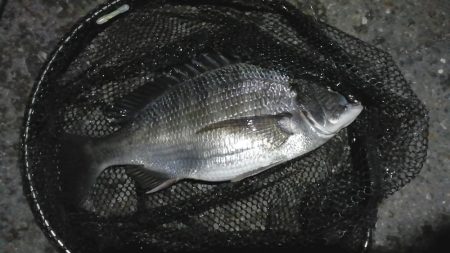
148, 180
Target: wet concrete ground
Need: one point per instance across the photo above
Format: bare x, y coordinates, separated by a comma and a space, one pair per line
415, 33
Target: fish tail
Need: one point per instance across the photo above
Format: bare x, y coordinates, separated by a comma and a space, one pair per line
79, 168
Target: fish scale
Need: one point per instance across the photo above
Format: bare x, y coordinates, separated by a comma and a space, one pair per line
190, 116
253, 102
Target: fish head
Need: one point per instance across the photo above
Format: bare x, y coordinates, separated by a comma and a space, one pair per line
327, 111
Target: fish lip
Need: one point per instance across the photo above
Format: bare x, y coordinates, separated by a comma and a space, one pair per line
357, 108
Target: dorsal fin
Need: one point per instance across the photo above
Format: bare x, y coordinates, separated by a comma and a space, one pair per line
127, 106
199, 65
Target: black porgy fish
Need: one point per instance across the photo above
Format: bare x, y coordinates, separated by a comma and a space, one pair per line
227, 121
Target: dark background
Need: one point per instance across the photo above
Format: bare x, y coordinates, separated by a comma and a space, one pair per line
415, 33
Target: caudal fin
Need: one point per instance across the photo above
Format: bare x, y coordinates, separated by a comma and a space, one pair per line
78, 169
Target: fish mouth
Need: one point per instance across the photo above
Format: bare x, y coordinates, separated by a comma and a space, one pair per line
352, 112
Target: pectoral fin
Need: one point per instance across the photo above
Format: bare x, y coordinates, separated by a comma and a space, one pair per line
148, 180
266, 127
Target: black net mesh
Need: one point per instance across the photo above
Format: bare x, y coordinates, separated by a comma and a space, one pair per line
327, 197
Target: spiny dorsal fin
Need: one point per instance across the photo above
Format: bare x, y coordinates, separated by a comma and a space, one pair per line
148, 180
126, 107
268, 127
199, 65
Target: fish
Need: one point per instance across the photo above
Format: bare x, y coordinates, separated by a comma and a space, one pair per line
220, 120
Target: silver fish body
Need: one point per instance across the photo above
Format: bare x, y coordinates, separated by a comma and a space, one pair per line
223, 125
